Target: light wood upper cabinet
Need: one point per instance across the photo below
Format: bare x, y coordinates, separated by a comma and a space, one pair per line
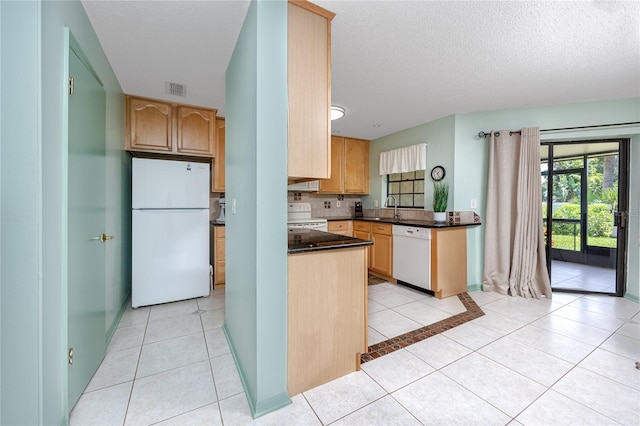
196, 131
309, 90
356, 160
217, 165
335, 184
149, 125
155, 126
349, 167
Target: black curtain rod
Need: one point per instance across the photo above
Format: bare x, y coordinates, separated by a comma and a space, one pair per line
485, 134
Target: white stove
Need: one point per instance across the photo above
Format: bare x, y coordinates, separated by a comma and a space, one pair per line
299, 217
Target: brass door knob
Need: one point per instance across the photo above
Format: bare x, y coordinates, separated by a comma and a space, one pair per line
103, 237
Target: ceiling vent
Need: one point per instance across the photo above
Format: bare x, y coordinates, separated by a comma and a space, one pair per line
175, 89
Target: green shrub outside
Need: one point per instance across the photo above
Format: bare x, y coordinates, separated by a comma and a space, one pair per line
567, 211
600, 220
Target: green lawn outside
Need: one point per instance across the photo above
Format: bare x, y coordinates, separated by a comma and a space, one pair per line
567, 242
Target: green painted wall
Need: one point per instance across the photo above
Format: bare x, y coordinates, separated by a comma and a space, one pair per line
20, 215
256, 179
437, 135
471, 156
35, 371
453, 142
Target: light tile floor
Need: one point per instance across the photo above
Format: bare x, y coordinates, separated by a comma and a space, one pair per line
568, 361
576, 276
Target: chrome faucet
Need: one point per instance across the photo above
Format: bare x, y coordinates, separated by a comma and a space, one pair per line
395, 206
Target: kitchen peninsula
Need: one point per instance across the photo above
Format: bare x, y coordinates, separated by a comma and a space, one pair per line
327, 307
444, 260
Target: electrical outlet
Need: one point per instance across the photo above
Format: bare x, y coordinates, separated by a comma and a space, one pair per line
473, 203
375, 203
338, 203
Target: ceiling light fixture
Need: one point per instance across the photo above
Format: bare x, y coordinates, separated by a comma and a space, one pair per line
336, 112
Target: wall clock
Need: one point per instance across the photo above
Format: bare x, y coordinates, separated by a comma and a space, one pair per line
437, 173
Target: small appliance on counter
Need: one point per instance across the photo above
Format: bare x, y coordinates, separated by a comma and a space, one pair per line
358, 209
222, 203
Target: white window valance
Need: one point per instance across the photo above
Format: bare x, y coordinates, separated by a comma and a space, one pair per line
403, 160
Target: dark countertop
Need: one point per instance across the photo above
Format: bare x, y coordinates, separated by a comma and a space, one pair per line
216, 223
307, 240
409, 222
418, 223
339, 218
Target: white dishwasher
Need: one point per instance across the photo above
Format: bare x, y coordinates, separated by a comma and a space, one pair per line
412, 255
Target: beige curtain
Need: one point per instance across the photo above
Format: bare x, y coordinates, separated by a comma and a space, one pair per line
514, 255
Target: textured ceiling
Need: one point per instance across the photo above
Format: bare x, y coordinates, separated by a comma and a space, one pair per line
395, 64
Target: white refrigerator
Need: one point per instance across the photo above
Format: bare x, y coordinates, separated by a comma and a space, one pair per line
170, 231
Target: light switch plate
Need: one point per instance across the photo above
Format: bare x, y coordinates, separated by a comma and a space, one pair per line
473, 203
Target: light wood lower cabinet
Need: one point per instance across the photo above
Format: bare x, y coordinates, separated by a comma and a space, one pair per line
448, 261
340, 227
382, 249
362, 230
219, 255
326, 316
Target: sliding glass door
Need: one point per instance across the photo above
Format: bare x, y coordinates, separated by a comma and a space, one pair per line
584, 208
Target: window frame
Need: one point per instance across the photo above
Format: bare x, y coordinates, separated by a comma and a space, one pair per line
418, 179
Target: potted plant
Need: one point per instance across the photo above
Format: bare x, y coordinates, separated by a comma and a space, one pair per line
440, 199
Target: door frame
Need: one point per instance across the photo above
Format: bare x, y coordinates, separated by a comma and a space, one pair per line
621, 217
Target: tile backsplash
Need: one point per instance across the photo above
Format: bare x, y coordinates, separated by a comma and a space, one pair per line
321, 205
325, 205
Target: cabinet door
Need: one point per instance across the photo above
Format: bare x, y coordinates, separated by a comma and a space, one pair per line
309, 90
360, 225
382, 254
219, 266
356, 157
196, 131
341, 227
218, 170
364, 235
335, 185
149, 125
